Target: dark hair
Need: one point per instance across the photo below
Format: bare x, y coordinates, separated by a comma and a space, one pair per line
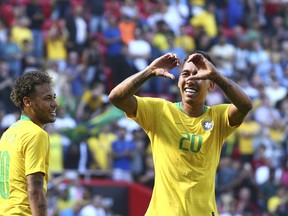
25, 84
208, 57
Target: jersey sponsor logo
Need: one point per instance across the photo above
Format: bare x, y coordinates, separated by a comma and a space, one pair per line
207, 124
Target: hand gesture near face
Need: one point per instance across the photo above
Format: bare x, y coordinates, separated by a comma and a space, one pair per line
163, 64
205, 69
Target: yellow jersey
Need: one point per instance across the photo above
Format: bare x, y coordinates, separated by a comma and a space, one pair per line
186, 153
24, 150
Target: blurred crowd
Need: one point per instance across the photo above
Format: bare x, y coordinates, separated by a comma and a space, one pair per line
89, 46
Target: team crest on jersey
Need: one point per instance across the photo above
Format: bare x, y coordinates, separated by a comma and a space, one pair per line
207, 124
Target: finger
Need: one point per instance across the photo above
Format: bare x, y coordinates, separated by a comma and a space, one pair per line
168, 75
195, 58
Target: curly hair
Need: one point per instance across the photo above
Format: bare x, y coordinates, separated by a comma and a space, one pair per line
25, 84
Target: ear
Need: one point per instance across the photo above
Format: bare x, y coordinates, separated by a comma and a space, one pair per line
211, 86
27, 101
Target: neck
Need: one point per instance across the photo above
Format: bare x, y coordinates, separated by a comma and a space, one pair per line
26, 117
193, 111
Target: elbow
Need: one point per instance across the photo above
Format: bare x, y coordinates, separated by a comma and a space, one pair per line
112, 97
247, 107
115, 98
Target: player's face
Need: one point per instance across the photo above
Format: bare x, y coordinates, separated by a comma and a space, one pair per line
43, 106
192, 90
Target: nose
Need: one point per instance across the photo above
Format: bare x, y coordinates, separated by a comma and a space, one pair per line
54, 103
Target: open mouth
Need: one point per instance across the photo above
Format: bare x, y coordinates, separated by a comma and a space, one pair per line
53, 113
190, 90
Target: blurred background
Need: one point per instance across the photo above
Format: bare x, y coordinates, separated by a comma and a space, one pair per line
100, 161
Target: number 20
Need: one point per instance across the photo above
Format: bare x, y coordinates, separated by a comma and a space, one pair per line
195, 141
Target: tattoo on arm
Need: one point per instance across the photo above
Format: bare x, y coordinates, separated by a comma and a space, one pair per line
133, 83
36, 181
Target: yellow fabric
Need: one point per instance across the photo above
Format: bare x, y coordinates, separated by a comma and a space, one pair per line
56, 49
19, 34
93, 103
277, 134
160, 41
56, 153
250, 128
101, 147
207, 21
273, 203
64, 204
198, 2
186, 42
186, 154
24, 150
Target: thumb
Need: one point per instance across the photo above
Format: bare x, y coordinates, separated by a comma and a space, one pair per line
165, 73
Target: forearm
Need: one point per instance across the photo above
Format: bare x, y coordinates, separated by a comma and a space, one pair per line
130, 86
36, 195
38, 203
234, 93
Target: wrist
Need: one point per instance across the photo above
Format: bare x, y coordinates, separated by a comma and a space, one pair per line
151, 71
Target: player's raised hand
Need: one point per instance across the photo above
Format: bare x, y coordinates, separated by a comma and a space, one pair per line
163, 64
205, 69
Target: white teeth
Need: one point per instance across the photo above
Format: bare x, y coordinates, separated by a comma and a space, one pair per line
190, 90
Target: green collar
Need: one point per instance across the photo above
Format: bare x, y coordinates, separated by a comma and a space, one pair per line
25, 118
178, 104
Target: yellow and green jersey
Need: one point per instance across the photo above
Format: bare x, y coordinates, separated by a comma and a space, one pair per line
24, 150
186, 153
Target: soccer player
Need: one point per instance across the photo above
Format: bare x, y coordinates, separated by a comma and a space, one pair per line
24, 147
187, 136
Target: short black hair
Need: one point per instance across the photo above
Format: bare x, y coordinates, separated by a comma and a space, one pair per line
206, 55
25, 84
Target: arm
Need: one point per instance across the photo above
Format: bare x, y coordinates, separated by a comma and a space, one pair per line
36, 194
122, 96
241, 103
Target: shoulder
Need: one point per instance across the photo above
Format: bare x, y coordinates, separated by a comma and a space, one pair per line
219, 107
152, 100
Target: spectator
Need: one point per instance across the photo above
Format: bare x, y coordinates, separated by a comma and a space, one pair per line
100, 145
224, 54
11, 53
93, 62
36, 15
247, 134
56, 44
177, 15
77, 29
129, 9
92, 102
97, 20
148, 176
122, 156
244, 203
94, 208
3, 31
115, 57
58, 143
207, 20
139, 50
6, 82
276, 203
20, 31
78, 156
74, 72
185, 40
127, 26
61, 9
